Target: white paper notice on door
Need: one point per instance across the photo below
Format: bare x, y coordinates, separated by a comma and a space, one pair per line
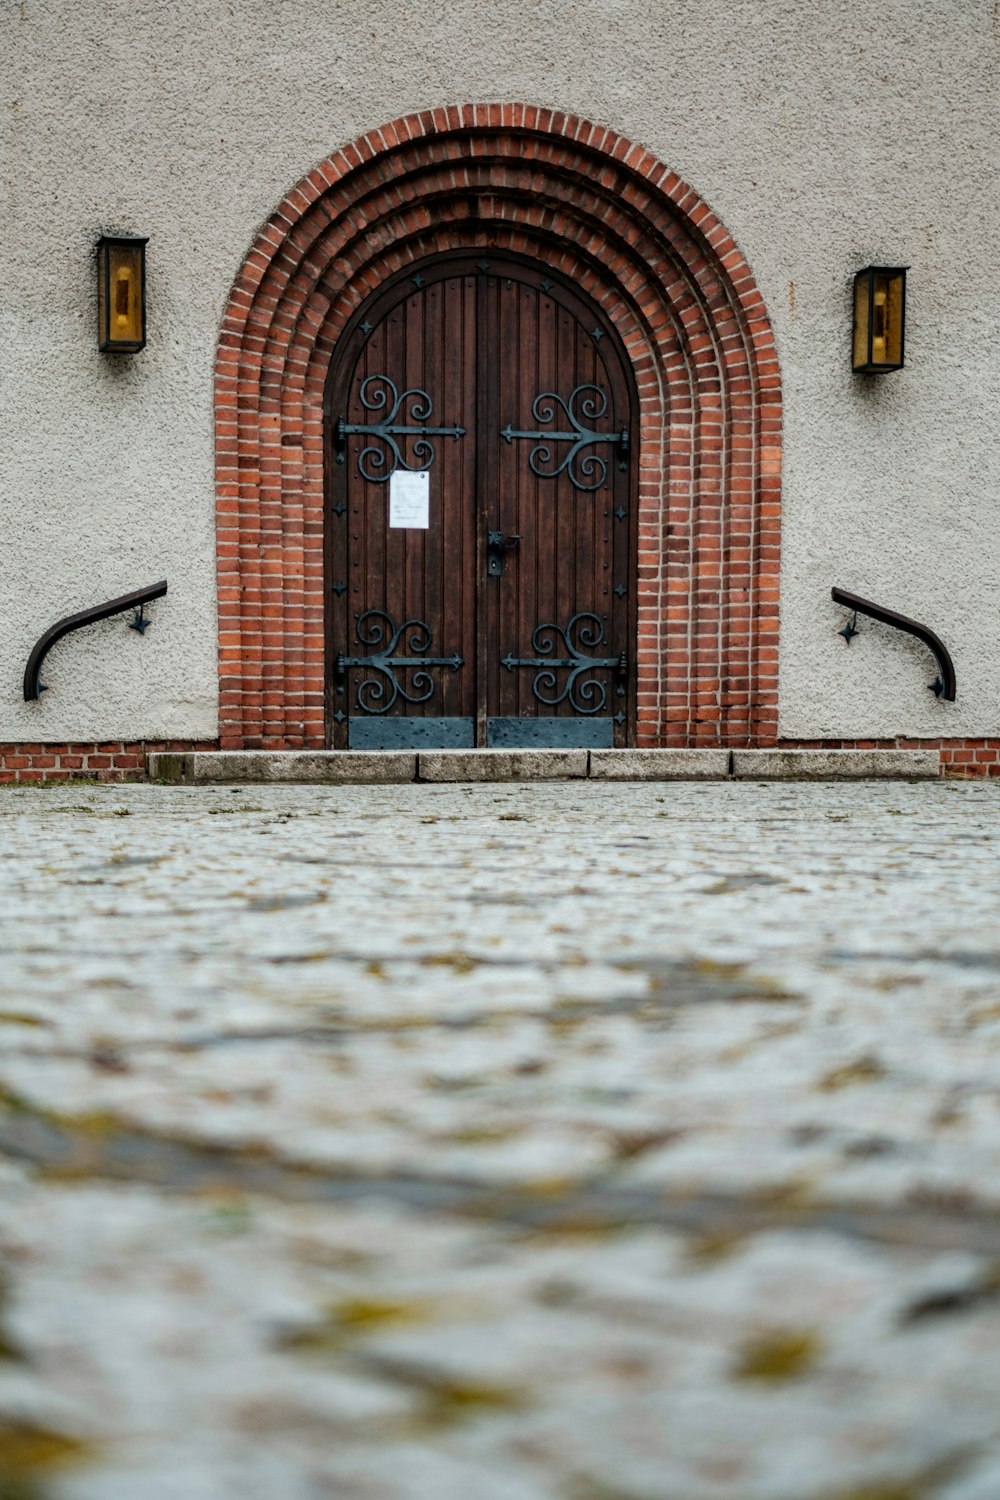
409, 498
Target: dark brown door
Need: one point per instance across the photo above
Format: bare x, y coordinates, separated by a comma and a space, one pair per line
480, 526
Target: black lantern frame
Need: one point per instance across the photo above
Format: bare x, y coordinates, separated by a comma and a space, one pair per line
879, 320
121, 259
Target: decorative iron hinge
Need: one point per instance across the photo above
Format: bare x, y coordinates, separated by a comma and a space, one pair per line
590, 472
376, 464
376, 695
586, 697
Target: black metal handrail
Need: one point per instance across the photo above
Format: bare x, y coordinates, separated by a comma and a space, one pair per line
33, 687
944, 685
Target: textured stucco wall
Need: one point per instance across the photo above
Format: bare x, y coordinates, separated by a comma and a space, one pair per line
824, 136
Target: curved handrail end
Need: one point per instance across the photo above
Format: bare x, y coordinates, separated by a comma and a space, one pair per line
944, 686
33, 687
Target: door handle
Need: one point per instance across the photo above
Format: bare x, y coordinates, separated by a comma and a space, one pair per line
496, 545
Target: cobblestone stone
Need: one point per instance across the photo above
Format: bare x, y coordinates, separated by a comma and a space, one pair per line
584, 1141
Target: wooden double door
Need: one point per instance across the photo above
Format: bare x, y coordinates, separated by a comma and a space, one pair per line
480, 525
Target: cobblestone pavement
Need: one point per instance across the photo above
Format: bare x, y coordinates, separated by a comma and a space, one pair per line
570, 1142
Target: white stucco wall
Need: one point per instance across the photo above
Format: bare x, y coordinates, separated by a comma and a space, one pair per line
824, 136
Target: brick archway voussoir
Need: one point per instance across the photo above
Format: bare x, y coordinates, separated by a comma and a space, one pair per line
671, 280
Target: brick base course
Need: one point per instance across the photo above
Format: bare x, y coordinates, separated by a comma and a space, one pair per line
108, 760
124, 760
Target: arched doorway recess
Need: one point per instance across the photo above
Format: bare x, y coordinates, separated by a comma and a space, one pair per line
670, 285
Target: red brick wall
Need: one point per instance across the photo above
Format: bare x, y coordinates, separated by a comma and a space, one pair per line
609, 216
111, 760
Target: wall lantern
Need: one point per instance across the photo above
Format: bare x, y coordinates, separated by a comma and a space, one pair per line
879, 315
121, 294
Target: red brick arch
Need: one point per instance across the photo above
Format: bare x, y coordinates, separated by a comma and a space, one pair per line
669, 276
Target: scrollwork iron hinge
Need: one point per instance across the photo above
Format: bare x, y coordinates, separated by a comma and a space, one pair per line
380, 394
584, 405
583, 633
376, 695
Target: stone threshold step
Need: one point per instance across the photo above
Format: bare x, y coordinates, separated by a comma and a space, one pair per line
344, 767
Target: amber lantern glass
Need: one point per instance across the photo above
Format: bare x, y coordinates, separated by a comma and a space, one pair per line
121, 294
879, 318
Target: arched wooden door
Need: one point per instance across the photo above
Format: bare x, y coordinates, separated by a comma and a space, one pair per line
480, 573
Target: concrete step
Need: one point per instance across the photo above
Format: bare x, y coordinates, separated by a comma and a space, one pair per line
336, 767
502, 765
834, 765
659, 765
344, 767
